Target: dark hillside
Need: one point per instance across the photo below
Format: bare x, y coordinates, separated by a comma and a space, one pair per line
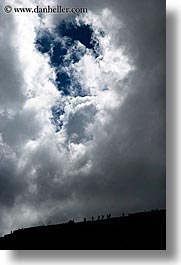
145, 230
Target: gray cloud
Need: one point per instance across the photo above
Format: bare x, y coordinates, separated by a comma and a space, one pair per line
10, 71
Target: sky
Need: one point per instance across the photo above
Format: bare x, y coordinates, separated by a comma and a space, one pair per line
82, 111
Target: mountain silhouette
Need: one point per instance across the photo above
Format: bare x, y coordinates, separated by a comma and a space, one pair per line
137, 231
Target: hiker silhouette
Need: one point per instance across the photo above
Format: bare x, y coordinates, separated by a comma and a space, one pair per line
71, 221
108, 216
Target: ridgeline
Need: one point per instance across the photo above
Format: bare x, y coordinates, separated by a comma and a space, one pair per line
137, 231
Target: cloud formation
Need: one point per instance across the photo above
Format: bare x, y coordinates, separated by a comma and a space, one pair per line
82, 121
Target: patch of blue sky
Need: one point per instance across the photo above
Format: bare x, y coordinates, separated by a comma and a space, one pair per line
66, 46
82, 32
57, 55
64, 37
57, 111
68, 85
44, 41
63, 82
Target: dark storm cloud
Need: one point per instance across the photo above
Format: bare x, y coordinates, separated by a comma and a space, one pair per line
10, 73
132, 160
130, 169
11, 185
127, 158
134, 156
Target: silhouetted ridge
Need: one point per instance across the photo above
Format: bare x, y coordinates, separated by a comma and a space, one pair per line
144, 230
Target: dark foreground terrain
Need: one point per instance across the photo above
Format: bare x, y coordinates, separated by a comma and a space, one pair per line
146, 230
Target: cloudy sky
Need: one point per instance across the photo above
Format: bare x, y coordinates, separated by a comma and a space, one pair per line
82, 111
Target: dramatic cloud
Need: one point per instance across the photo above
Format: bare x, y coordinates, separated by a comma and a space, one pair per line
82, 111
